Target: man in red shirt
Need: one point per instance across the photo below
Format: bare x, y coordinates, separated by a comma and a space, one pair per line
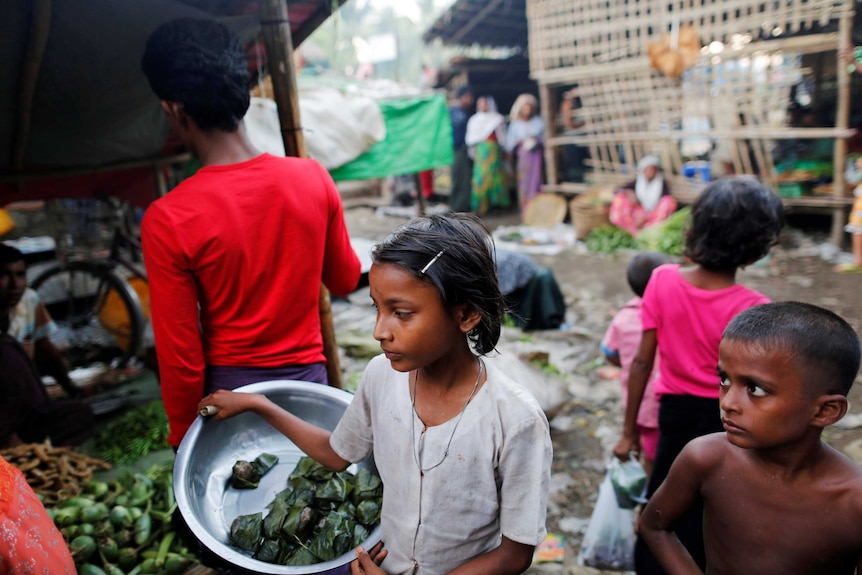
236, 253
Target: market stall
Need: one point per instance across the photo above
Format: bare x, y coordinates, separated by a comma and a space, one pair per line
680, 79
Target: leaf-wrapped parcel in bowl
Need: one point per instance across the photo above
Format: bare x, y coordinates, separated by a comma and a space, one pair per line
247, 474
319, 516
245, 531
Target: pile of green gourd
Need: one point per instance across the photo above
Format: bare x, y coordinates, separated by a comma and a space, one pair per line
124, 527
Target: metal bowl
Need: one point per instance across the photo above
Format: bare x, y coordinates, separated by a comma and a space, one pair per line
208, 451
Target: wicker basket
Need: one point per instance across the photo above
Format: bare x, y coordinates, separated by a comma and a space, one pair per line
588, 211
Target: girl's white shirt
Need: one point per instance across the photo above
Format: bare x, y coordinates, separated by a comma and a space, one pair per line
493, 483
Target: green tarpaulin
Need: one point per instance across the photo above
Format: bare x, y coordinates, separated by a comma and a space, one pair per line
418, 137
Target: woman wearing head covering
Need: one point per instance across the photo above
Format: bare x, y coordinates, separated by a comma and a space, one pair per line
644, 201
526, 138
485, 130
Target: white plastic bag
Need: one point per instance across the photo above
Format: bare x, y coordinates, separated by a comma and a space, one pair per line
609, 542
630, 482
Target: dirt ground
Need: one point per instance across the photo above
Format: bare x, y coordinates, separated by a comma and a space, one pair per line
586, 424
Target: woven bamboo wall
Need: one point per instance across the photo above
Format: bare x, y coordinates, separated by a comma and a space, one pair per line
578, 33
621, 125
739, 93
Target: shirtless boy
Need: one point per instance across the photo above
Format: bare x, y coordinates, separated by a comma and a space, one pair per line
777, 499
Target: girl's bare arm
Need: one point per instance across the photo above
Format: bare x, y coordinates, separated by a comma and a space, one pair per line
509, 558
311, 439
638, 377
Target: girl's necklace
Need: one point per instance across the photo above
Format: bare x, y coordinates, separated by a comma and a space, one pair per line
454, 429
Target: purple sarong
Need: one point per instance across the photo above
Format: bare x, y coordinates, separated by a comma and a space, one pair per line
231, 377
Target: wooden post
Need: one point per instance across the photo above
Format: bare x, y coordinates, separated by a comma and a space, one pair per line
279, 57
548, 106
40, 25
842, 116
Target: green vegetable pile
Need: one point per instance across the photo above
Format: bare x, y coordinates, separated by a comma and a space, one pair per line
607, 239
667, 236
321, 515
124, 527
135, 434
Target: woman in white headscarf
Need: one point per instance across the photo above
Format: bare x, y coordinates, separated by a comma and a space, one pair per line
486, 129
526, 139
644, 201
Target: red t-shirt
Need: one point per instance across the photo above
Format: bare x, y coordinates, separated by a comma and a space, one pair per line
250, 244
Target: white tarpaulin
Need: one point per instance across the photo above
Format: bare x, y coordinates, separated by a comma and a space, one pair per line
337, 127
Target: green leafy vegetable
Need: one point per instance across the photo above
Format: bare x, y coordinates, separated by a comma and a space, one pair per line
138, 432
608, 239
667, 236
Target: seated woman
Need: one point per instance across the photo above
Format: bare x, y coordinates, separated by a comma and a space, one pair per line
645, 201
533, 297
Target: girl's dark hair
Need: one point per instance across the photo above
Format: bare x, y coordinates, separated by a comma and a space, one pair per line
825, 346
734, 222
199, 64
464, 274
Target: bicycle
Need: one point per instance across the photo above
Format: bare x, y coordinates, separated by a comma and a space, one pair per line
88, 292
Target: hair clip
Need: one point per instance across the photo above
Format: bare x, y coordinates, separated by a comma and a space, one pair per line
431, 263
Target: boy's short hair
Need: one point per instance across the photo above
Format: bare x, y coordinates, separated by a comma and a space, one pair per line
10, 255
734, 222
826, 346
640, 269
199, 64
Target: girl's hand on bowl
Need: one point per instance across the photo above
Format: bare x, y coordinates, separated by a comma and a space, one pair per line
368, 563
224, 404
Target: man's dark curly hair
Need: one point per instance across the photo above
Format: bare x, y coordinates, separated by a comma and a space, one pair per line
734, 222
199, 64
464, 273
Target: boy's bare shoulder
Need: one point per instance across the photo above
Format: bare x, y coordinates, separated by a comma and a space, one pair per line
843, 473
707, 451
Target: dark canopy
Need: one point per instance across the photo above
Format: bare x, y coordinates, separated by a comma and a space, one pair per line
72, 95
497, 23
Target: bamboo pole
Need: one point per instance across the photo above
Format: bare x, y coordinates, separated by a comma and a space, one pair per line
40, 25
548, 107
842, 116
279, 56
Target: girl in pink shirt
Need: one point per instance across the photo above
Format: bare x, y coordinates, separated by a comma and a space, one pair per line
734, 222
621, 343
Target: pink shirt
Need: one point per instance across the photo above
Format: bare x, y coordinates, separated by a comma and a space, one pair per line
624, 337
689, 322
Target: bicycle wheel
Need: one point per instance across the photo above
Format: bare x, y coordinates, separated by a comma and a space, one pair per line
99, 314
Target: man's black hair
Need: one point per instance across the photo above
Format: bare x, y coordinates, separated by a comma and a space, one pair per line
640, 269
199, 64
826, 347
10, 255
734, 222
463, 91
